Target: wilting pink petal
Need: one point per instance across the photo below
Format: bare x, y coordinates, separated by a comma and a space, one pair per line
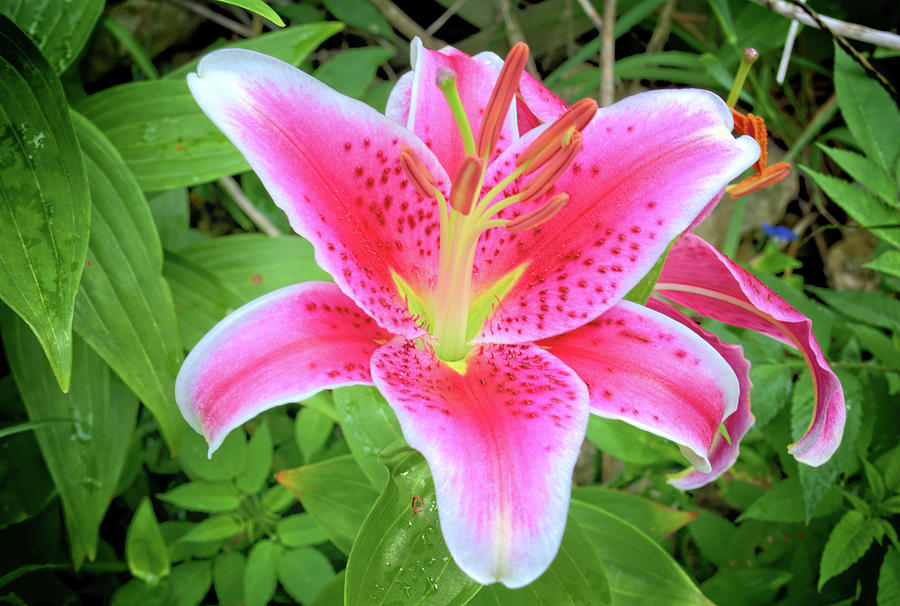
723, 454
650, 164
501, 442
333, 165
652, 372
279, 348
698, 276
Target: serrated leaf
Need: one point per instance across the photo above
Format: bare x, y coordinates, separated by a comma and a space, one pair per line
771, 390
865, 171
887, 262
212, 497
86, 453
260, 8
223, 526
889, 579
399, 552
260, 573
228, 578
336, 493
303, 573
369, 426
44, 199
351, 71
755, 586
876, 482
868, 110
145, 550
650, 517
868, 307
258, 464
60, 32
311, 430
847, 543
136, 335
784, 502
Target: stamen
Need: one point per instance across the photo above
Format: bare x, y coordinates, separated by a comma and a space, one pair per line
550, 151
501, 98
770, 175
750, 55
538, 215
579, 115
466, 184
553, 169
417, 172
446, 81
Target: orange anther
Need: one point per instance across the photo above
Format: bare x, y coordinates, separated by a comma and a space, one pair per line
466, 184
552, 170
769, 176
417, 172
764, 175
578, 116
538, 215
501, 98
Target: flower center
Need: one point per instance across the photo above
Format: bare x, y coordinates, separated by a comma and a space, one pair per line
468, 213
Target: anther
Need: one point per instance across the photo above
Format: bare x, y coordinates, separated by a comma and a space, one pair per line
578, 116
552, 170
417, 172
465, 184
538, 215
501, 97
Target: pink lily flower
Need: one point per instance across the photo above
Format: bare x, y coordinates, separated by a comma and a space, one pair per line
481, 237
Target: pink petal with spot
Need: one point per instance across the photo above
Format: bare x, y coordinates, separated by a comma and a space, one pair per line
501, 442
723, 454
333, 165
536, 104
650, 164
429, 114
698, 276
279, 348
652, 372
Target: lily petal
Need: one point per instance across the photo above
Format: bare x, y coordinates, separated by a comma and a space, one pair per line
723, 453
536, 104
501, 441
280, 348
649, 166
652, 372
333, 165
698, 276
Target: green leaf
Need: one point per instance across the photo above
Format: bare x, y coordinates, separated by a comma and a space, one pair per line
887, 262
875, 480
784, 502
889, 579
873, 308
260, 573
860, 204
260, 8
866, 171
369, 426
333, 593
136, 335
303, 573
222, 526
291, 45
86, 454
259, 461
189, 583
638, 569
868, 110
311, 430
755, 586
629, 443
846, 544
228, 578
650, 517
335, 493
145, 550
360, 14
399, 552
60, 32
714, 536
132, 46
226, 463
771, 390
203, 496
44, 199
299, 530
351, 71
171, 214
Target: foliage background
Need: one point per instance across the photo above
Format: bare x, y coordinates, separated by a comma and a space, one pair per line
121, 219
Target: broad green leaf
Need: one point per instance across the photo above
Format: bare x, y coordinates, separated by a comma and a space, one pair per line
771, 390
228, 578
291, 45
360, 14
335, 493
889, 578
713, 535
86, 454
303, 573
259, 461
638, 569
351, 71
369, 426
299, 530
650, 517
846, 544
866, 171
887, 262
223, 526
399, 555
867, 307
226, 463
260, 8
211, 497
136, 335
163, 136
186, 585
784, 502
755, 586
860, 204
27, 485
59, 31
260, 573
44, 199
171, 214
311, 430
630, 443
145, 550
868, 110
333, 593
